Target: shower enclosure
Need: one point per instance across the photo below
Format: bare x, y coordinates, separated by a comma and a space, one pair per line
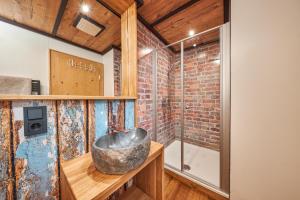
191, 106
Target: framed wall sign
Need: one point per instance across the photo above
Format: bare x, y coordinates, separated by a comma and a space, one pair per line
72, 75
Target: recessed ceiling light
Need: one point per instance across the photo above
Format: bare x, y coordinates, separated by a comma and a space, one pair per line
194, 45
191, 32
85, 8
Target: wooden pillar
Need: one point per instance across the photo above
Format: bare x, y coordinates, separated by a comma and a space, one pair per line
129, 51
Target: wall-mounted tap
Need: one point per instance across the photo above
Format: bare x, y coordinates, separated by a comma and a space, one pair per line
112, 129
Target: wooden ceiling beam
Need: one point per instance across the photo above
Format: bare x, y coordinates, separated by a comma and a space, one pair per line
109, 8
174, 12
226, 11
155, 32
139, 3
62, 8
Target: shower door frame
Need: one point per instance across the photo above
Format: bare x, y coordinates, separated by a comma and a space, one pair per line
224, 31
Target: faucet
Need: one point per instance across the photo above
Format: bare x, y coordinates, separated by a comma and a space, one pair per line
112, 129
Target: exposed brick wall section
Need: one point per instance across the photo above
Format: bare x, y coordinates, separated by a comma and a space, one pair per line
202, 92
165, 129
201, 96
117, 72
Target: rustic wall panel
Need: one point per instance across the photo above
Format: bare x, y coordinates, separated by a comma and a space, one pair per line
117, 116
98, 120
6, 190
71, 128
36, 168
129, 114
5, 150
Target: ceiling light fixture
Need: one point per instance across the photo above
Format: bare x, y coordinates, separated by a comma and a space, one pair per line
191, 32
85, 8
88, 25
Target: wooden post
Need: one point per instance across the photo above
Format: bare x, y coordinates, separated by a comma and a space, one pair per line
129, 51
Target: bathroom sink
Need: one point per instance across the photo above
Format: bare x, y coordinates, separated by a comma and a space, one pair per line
120, 152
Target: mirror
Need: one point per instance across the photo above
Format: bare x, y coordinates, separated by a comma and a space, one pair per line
86, 39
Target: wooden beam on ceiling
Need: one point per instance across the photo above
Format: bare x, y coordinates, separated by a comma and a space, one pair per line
62, 8
139, 3
174, 12
155, 32
109, 8
226, 11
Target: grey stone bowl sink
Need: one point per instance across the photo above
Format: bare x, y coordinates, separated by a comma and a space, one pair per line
120, 152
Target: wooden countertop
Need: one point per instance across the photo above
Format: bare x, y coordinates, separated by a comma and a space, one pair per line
62, 97
85, 182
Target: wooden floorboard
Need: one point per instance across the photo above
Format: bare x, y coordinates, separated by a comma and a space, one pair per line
176, 190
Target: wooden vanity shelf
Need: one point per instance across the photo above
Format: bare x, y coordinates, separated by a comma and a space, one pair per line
80, 179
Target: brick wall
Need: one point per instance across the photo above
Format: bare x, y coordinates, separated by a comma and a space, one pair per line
165, 129
202, 89
201, 96
117, 75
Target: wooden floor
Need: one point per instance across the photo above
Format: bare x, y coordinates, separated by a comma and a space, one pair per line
176, 190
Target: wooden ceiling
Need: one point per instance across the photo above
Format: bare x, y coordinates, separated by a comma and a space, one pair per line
39, 15
169, 20
109, 37
172, 20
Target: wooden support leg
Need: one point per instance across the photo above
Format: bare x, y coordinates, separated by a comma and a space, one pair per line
160, 177
146, 180
150, 179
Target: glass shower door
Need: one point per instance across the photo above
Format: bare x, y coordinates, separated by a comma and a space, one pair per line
202, 110
191, 106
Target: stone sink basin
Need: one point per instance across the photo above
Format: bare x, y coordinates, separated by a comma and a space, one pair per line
120, 152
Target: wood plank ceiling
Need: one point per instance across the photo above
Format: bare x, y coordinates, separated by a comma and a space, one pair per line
170, 20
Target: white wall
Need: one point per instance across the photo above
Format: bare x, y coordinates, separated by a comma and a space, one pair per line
26, 54
109, 73
265, 126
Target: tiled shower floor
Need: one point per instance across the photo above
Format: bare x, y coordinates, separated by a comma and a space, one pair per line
204, 163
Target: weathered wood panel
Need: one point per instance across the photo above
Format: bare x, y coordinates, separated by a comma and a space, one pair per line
36, 167
5, 150
129, 114
6, 182
117, 114
71, 128
98, 120
6, 190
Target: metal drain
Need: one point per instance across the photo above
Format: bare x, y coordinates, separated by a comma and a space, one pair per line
186, 167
